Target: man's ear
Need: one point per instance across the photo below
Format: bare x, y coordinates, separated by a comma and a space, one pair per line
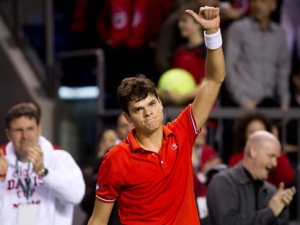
160, 102
127, 117
252, 152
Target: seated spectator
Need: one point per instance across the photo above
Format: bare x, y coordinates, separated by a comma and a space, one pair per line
247, 125
257, 70
241, 195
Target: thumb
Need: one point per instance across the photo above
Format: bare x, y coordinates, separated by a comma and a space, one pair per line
193, 14
1, 153
281, 187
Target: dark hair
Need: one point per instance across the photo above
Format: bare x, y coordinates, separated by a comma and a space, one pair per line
135, 89
239, 132
32, 104
21, 110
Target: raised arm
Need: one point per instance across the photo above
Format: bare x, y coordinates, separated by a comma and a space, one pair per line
207, 92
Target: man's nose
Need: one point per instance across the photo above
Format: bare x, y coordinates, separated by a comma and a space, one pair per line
147, 111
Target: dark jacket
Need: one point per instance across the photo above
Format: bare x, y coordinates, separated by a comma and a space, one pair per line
231, 200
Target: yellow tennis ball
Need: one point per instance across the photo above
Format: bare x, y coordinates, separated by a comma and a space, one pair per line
176, 80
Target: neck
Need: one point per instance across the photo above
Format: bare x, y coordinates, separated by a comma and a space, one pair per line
22, 157
264, 23
248, 168
151, 142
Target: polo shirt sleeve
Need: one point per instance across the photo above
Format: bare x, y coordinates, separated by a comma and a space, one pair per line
108, 182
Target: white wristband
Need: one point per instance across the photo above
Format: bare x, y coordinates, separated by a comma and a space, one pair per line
213, 41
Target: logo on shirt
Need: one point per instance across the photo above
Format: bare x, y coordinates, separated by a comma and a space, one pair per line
174, 146
98, 187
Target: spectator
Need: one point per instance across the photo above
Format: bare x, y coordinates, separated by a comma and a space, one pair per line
164, 152
247, 125
241, 196
106, 140
292, 136
204, 158
169, 36
35, 180
257, 59
292, 132
190, 57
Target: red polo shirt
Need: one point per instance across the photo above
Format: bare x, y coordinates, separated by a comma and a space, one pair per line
153, 188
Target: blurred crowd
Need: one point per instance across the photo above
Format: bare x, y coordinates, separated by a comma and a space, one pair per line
261, 40
261, 45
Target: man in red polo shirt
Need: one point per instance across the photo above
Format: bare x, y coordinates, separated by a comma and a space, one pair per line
150, 172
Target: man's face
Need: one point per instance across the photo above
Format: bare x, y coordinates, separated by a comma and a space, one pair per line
262, 9
146, 115
108, 139
24, 133
265, 159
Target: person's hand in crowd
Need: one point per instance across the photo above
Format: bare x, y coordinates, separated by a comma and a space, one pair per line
35, 155
3, 165
208, 18
281, 199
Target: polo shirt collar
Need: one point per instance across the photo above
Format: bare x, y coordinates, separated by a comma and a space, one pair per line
135, 146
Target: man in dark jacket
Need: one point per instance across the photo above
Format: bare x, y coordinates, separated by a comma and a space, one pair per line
241, 195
